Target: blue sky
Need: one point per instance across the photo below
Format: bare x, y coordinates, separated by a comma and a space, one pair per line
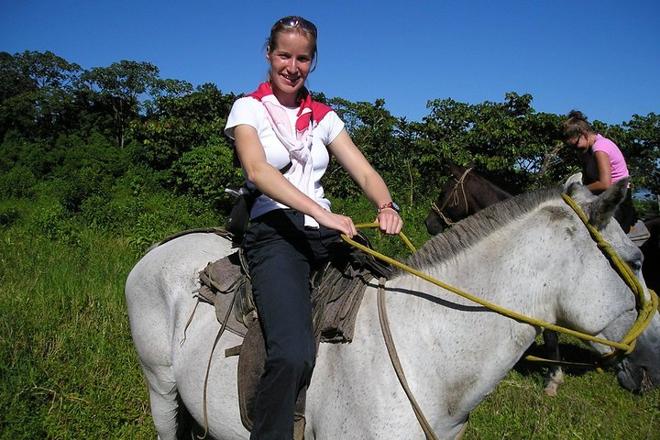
601, 57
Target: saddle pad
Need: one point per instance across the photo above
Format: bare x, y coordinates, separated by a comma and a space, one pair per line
639, 233
250, 369
220, 280
336, 303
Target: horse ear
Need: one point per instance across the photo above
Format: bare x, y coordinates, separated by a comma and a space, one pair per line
578, 192
577, 177
602, 209
456, 169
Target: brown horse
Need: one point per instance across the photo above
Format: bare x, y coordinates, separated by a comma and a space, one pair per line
651, 251
464, 194
467, 192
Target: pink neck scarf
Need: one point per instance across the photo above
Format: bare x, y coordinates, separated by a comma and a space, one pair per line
297, 140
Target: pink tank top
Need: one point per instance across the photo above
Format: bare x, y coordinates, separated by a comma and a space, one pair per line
617, 161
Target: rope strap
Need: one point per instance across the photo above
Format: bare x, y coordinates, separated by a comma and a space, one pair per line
453, 196
223, 326
647, 307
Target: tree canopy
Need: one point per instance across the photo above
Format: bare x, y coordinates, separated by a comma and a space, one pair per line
60, 121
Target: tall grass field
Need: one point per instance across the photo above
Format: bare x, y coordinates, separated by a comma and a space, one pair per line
68, 369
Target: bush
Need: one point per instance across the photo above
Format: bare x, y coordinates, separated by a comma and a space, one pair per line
35, 156
84, 183
97, 212
157, 216
53, 223
205, 172
95, 152
140, 180
8, 215
114, 215
149, 228
17, 183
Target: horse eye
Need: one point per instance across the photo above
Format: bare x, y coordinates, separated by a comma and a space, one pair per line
635, 265
636, 262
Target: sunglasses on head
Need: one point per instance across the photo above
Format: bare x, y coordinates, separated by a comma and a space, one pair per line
294, 21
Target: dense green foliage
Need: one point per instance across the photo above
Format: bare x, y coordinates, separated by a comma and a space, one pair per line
96, 165
87, 128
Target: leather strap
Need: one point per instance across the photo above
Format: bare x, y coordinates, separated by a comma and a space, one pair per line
398, 368
223, 326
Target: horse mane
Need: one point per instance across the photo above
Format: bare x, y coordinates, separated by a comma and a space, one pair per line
473, 229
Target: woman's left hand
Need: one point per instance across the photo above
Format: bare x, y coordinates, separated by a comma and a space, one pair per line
389, 221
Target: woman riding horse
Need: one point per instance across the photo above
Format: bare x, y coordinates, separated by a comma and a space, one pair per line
530, 254
292, 228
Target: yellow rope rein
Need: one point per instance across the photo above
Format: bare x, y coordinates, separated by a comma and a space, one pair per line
646, 306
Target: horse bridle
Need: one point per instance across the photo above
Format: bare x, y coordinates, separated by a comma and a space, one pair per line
454, 197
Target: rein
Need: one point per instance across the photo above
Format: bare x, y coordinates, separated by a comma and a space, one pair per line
454, 197
646, 306
396, 363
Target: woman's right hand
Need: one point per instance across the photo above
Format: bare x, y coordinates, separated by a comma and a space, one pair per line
337, 222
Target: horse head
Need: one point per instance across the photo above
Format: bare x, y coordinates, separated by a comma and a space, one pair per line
464, 194
640, 371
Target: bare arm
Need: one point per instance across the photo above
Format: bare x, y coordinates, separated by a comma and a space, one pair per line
270, 181
604, 173
373, 186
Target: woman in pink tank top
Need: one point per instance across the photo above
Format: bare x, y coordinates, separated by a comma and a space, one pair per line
602, 162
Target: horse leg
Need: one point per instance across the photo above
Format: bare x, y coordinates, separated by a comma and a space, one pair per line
152, 351
555, 375
460, 434
163, 398
147, 314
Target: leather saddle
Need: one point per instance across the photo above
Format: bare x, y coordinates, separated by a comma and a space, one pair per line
337, 292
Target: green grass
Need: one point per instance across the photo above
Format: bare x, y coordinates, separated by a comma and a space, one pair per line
67, 366
68, 369
588, 406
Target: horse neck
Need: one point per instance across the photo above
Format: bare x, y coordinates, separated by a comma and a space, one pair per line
533, 265
507, 267
455, 331
484, 191
470, 194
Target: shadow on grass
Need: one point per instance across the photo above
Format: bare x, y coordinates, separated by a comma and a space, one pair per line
568, 352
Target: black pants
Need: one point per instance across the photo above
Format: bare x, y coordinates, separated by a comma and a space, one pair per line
281, 254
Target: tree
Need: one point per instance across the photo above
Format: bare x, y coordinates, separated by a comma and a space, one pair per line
120, 86
36, 93
640, 143
177, 124
508, 141
376, 133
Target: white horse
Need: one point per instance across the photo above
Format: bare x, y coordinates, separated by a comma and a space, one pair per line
531, 254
